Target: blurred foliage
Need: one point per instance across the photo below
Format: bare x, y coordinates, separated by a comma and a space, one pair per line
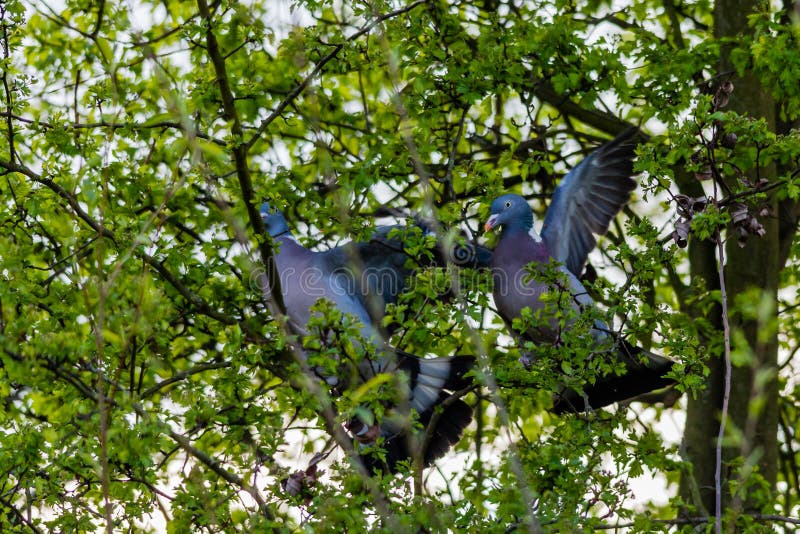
143, 377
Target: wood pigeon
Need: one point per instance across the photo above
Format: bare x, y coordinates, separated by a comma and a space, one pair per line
357, 277
583, 205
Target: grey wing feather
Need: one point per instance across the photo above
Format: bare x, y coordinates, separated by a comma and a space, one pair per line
381, 266
377, 268
588, 198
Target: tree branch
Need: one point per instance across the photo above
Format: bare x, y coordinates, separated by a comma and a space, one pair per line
209, 461
177, 377
727, 386
603, 121
60, 191
7, 89
701, 520
275, 297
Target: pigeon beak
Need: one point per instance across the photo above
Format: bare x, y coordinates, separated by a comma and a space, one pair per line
491, 222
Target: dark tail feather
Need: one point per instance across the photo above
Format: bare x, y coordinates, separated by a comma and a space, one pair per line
399, 445
640, 378
429, 383
452, 422
450, 370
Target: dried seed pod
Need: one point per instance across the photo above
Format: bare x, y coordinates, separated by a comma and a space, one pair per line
317, 458
684, 207
293, 485
755, 227
727, 87
720, 100
729, 140
683, 201
681, 233
699, 204
301, 482
742, 241
362, 432
739, 214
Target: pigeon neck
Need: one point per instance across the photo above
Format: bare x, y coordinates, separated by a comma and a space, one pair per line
519, 229
284, 232
287, 239
536, 237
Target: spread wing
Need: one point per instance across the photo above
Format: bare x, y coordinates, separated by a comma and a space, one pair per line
589, 196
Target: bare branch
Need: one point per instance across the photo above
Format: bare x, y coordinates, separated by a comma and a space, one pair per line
210, 462
727, 387
177, 377
275, 298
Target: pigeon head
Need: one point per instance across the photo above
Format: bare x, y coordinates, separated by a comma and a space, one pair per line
274, 220
511, 211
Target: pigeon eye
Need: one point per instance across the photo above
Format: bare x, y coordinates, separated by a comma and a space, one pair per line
508, 203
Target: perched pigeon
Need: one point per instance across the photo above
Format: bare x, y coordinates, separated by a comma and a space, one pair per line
583, 204
351, 276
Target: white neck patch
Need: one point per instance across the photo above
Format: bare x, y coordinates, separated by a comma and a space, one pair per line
536, 237
288, 236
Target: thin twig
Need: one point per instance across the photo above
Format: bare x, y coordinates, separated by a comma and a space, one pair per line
113, 125
7, 89
209, 461
449, 189
240, 149
21, 518
699, 521
727, 386
177, 377
299, 88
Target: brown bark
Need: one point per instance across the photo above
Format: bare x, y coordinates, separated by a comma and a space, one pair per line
754, 266
697, 487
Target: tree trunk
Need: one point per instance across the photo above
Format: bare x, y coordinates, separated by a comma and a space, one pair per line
699, 438
753, 403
